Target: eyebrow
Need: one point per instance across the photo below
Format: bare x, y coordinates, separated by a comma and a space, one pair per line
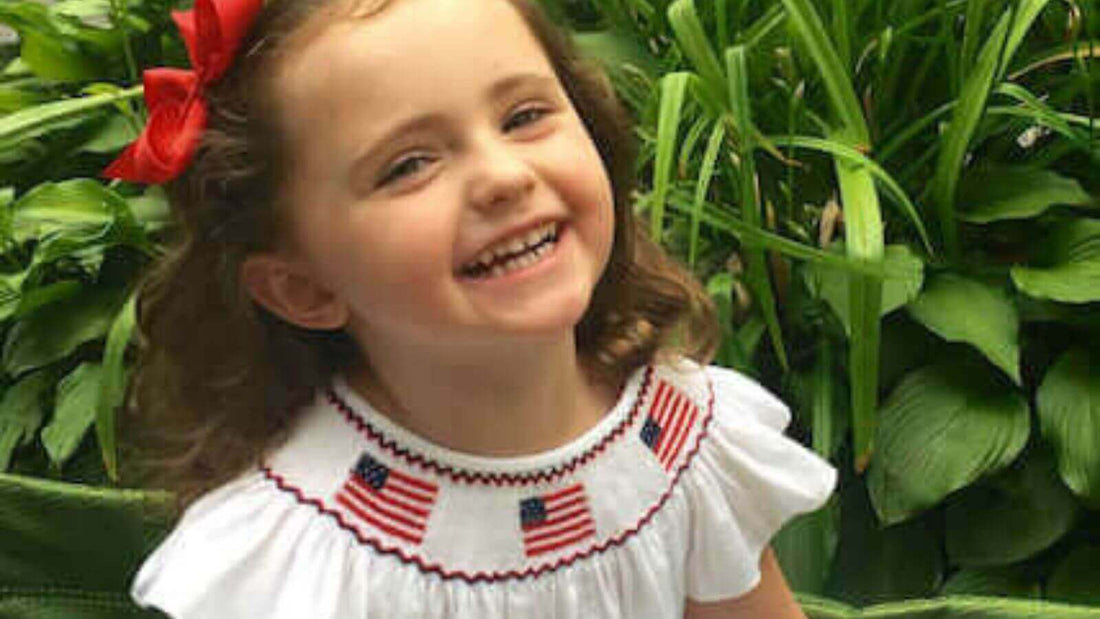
424, 121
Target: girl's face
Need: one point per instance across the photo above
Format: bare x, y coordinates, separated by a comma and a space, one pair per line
433, 142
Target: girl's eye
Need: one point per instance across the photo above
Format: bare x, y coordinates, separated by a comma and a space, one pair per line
524, 117
403, 168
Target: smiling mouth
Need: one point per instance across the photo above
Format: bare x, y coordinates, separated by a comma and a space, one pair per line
516, 253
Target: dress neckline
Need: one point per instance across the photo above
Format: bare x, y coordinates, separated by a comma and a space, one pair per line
463, 466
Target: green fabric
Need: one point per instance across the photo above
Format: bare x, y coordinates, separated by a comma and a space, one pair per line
69, 552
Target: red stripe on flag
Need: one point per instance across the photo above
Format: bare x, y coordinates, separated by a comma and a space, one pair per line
366, 500
359, 485
538, 550
416, 483
378, 524
538, 537
680, 439
566, 520
675, 426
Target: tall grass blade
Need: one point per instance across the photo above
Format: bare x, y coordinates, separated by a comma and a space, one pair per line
995, 54
863, 223
853, 156
673, 86
807, 23
693, 41
757, 267
706, 173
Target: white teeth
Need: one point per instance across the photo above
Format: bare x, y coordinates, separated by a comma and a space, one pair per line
511, 247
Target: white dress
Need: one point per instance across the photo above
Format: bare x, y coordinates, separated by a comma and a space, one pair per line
674, 494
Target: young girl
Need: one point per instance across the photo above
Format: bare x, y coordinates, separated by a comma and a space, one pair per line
411, 356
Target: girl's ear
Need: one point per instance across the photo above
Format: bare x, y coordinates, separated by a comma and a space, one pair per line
286, 289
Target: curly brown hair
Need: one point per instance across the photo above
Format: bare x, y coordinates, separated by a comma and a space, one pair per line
218, 378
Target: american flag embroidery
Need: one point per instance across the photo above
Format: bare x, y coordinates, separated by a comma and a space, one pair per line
556, 519
668, 423
388, 500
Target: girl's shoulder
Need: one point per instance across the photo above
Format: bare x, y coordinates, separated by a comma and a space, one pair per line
673, 494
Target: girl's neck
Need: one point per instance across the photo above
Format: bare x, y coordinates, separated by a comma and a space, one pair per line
513, 401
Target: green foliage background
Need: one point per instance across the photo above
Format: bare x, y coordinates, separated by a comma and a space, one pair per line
892, 202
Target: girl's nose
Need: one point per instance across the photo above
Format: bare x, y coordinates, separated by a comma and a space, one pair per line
500, 176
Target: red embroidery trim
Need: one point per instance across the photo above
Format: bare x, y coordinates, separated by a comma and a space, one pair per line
496, 479
489, 577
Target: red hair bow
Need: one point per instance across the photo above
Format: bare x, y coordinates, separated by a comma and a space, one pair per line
212, 31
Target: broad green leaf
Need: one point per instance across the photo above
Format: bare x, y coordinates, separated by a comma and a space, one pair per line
1008, 581
963, 310
10, 295
53, 57
151, 209
86, 247
115, 134
35, 121
995, 194
998, 50
74, 412
78, 204
30, 300
673, 86
1069, 415
1012, 517
57, 329
1077, 578
1068, 265
21, 411
876, 563
113, 387
943, 427
897, 290
805, 547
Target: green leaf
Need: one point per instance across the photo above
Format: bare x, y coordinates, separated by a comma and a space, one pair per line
1069, 415
963, 310
811, 32
32, 299
74, 205
115, 134
805, 547
57, 329
1077, 578
706, 174
35, 121
673, 87
1012, 517
21, 412
112, 391
943, 427
1009, 581
151, 209
878, 564
689, 32
757, 269
1068, 265
861, 162
73, 413
53, 57
901, 287
1016, 192
999, 48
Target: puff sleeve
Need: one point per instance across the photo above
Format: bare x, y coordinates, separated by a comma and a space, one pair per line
748, 481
